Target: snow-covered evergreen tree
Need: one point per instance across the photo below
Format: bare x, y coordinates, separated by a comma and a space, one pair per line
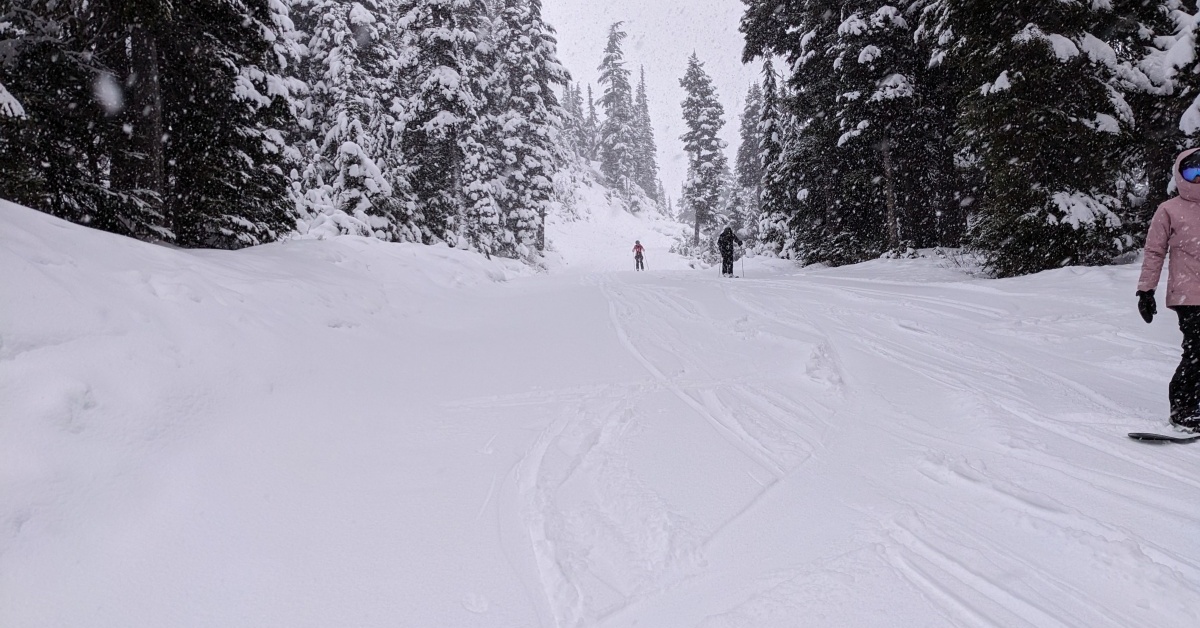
591, 128
707, 164
618, 136
440, 105
802, 194
749, 166
1043, 127
775, 207
223, 123
1156, 70
893, 130
876, 98
574, 119
62, 125
646, 157
155, 119
488, 70
534, 120
228, 107
346, 184
748, 170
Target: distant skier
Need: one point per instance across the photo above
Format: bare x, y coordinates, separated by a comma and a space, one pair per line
638, 250
725, 244
1175, 231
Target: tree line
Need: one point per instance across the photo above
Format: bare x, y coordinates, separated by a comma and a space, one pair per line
1038, 134
619, 134
228, 123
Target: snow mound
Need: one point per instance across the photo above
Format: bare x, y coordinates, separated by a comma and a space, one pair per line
123, 363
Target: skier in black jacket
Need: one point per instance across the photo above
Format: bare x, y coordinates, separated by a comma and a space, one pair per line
725, 244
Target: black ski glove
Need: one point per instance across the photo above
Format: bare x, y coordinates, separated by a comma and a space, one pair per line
1146, 305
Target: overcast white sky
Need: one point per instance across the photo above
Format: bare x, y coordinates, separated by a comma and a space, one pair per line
662, 34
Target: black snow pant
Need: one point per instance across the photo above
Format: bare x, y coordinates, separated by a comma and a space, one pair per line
1185, 386
726, 264
637, 259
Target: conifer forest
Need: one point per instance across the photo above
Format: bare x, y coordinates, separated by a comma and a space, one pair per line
1037, 137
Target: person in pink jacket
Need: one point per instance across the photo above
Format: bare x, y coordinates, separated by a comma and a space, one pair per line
1175, 237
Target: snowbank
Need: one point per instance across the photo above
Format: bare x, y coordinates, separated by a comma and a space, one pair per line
144, 389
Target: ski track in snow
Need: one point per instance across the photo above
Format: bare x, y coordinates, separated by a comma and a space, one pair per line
892, 444
968, 575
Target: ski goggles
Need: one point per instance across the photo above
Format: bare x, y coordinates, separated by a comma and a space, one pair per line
1189, 169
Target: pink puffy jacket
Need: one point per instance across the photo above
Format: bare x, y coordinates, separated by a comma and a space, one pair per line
1176, 230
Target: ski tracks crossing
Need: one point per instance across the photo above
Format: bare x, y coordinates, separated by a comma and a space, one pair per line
912, 412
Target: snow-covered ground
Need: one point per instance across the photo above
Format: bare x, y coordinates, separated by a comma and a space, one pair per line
597, 234
351, 433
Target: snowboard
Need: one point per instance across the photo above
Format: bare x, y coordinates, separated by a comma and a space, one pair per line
1163, 438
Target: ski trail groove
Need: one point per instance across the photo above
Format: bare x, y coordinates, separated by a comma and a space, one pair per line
736, 437
1029, 612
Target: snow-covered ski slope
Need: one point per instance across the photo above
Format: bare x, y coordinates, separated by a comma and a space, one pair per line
596, 233
354, 434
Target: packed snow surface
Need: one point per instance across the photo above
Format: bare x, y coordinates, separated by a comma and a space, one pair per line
354, 433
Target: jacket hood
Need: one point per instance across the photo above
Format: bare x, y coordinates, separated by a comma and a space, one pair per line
1188, 190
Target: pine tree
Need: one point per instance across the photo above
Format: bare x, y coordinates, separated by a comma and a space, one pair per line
775, 208
228, 108
618, 140
1156, 67
894, 136
573, 119
803, 194
347, 184
545, 115
534, 122
138, 62
591, 128
705, 149
1044, 131
488, 81
184, 138
749, 166
441, 103
63, 127
864, 162
748, 170
646, 168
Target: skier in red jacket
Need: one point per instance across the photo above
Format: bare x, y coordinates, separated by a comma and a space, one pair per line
638, 249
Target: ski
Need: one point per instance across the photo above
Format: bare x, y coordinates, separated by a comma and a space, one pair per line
1163, 438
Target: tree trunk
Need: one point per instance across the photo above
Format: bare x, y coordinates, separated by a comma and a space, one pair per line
541, 230
123, 170
146, 112
458, 189
890, 189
